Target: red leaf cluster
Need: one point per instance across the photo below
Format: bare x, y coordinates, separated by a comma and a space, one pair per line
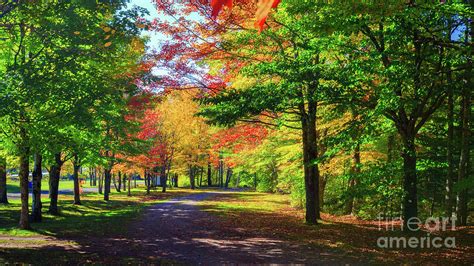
264, 7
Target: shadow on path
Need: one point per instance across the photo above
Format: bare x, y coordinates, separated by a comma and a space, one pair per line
175, 231
179, 231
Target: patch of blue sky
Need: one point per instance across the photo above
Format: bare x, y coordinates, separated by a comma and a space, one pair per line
156, 39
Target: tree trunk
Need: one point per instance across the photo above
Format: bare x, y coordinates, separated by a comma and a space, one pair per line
311, 170
95, 177
462, 197
410, 199
91, 178
209, 174
124, 182
114, 182
355, 170
54, 176
77, 189
322, 189
163, 178
3, 181
221, 170
119, 181
101, 179
449, 196
36, 215
147, 181
228, 176
107, 183
152, 181
129, 180
191, 177
24, 174
450, 177
201, 172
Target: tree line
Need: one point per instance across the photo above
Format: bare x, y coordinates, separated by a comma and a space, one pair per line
68, 74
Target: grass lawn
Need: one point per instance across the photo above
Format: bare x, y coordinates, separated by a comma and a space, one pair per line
54, 239
13, 186
261, 214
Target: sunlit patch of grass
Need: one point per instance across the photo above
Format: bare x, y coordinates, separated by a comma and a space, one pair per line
14, 186
270, 215
245, 202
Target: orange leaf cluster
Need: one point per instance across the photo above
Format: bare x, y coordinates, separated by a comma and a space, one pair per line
264, 7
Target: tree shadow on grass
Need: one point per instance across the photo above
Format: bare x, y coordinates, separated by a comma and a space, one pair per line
90, 218
357, 241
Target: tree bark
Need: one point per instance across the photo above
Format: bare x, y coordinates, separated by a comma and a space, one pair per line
107, 182
322, 189
163, 178
114, 182
95, 177
463, 171
54, 176
449, 196
119, 181
77, 192
91, 177
410, 199
129, 180
3, 181
221, 170
24, 174
209, 174
191, 177
147, 181
101, 178
201, 172
124, 182
228, 176
355, 170
36, 215
311, 169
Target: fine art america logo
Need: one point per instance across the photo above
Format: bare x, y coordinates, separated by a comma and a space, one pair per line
414, 224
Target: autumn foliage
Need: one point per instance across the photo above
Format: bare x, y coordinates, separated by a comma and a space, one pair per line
264, 7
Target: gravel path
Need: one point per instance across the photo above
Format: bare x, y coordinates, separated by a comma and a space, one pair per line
177, 230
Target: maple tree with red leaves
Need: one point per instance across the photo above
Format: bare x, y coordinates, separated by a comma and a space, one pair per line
235, 139
264, 7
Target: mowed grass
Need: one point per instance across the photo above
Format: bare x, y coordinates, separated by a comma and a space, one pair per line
13, 186
270, 215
